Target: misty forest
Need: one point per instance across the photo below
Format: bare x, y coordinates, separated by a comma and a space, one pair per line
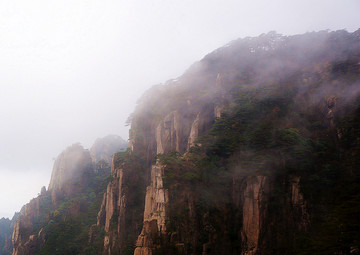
254, 150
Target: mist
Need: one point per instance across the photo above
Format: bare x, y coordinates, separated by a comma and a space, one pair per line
73, 71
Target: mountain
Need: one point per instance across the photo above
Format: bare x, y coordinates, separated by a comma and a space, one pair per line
105, 147
59, 219
5, 236
254, 150
6, 227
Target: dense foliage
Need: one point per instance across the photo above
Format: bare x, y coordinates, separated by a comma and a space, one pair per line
305, 124
66, 227
288, 112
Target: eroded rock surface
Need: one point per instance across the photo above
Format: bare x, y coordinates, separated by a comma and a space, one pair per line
105, 147
254, 199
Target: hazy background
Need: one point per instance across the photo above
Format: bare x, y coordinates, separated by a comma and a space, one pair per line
71, 71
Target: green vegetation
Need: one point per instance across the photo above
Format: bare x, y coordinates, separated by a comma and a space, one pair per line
267, 130
66, 228
133, 189
290, 113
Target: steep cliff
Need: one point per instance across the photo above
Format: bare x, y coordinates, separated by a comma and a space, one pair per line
5, 236
246, 153
104, 148
123, 203
6, 228
58, 221
71, 167
254, 150
26, 237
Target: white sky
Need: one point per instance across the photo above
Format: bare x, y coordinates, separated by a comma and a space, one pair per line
72, 70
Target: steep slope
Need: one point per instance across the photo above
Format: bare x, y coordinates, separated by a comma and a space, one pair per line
70, 167
254, 150
5, 236
6, 227
104, 148
58, 221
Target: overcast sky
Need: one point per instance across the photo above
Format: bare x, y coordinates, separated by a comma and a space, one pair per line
72, 70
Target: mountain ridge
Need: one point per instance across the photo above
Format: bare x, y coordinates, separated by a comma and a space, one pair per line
254, 150
280, 105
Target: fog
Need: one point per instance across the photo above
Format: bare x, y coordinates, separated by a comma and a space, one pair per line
71, 71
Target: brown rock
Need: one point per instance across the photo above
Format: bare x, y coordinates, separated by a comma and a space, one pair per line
253, 201
104, 148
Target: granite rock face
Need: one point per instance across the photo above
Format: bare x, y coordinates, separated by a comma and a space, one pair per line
70, 173
104, 148
175, 132
112, 210
260, 111
171, 117
69, 167
23, 242
6, 228
253, 204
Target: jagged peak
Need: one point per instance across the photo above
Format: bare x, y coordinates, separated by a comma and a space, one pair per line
69, 165
105, 147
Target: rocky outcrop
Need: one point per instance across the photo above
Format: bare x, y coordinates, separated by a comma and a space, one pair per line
298, 204
269, 119
154, 214
175, 132
23, 240
6, 228
72, 166
112, 211
146, 240
194, 132
156, 199
104, 148
71, 171
69, 166
253, 208
169, 133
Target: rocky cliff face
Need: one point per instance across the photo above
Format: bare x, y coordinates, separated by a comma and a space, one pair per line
104, 148
155, 216
253, 151
248, 123
24, 241
253, 210
73, 174
113, 209
69, 166
6, 228
122, 204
